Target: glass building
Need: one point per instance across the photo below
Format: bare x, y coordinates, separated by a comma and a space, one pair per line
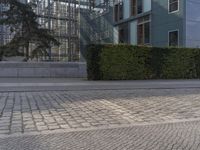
62, 17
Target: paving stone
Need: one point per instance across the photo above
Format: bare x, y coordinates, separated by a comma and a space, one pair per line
52, 127
52, 110
41, 128
86, 124
171, 136
65, 126
40, 123
29, 126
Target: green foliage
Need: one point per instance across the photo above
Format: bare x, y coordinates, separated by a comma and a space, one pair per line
180, 63
93, 59
125, 62
129, 64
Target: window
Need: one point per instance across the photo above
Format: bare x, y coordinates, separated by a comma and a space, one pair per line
143, 30
140, 34
123, 33
173, 38
116, 13
139, 6
118, 10
173, 5
133, 7
147, 33
136, 7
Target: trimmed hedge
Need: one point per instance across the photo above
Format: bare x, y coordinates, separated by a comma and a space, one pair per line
126, 62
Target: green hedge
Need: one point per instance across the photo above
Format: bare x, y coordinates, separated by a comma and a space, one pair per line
125, 62
1, 54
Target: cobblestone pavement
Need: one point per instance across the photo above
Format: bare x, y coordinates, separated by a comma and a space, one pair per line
175, 136
33, 117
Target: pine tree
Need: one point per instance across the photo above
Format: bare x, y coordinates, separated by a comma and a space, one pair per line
22, 21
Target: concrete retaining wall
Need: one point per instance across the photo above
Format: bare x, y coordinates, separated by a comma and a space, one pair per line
43, 69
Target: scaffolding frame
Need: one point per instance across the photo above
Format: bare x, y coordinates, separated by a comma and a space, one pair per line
61, 17
64, 18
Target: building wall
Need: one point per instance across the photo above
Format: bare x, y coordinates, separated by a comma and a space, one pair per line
192, 23
146, 5
131, 20
115, 35
163, 22
133, 32
126, 9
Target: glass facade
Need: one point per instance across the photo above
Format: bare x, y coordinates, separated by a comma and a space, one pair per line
62, 17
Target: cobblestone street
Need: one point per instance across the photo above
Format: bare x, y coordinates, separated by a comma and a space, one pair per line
135, 119
176, 136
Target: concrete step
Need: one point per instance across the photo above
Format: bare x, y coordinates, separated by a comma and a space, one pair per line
43, 69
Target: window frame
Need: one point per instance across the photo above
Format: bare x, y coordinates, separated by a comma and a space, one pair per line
169, 34
131, 8
121, 10
116, 13
119, 16
136, 8
142, 7
126, 29
143, 22
175, 11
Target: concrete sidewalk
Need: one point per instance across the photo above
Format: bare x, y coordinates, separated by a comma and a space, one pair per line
27, 84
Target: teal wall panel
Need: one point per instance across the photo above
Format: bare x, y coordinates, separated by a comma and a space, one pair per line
146, 5
126, 9
133, 32
163, 22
